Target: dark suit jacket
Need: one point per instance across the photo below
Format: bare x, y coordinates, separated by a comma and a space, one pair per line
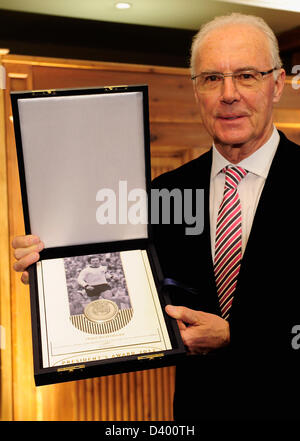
258, 374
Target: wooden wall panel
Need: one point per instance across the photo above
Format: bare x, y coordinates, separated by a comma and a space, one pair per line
183, 135
6, 402
287, 111
24, 404
177, 136
165, 90
291, 95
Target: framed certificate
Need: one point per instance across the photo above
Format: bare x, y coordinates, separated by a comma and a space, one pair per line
98, 307
96, 298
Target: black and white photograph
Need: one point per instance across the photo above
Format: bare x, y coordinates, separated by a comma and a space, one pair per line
91, 306
97, 292
95, 277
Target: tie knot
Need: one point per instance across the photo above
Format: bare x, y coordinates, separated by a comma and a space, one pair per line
233, 175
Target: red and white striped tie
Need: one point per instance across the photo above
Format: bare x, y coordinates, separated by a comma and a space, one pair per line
228, 244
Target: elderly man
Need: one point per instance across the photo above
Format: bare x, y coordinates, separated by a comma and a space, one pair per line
237, 321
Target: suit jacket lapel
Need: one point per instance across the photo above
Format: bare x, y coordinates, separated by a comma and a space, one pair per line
267, 210
268, 203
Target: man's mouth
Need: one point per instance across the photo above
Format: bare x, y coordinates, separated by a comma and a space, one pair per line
230, 117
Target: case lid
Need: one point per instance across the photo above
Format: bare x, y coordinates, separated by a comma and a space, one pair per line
84, 159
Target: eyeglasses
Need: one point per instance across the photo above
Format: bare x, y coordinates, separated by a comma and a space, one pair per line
207, 82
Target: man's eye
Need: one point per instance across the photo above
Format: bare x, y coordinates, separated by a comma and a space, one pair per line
212, 78
246, 76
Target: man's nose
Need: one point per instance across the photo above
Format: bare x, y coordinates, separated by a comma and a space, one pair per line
229, 92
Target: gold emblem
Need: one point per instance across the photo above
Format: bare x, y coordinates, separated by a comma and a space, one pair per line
101, 310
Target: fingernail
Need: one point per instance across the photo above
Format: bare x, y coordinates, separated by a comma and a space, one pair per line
35, 257
40, 246
34, 240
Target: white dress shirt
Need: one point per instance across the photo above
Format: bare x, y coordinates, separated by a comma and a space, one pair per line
249, 189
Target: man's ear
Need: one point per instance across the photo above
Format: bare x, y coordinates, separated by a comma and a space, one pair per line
279, 86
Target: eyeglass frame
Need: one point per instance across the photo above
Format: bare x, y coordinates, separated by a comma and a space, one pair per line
224, 75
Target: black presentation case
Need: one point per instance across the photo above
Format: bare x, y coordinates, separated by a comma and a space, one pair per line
108, 130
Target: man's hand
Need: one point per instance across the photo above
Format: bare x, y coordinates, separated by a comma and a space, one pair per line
201, 332
27, 249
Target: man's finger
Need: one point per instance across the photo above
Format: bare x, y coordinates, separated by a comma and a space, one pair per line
22, 264
182, 313
19, 253
25, 278
25, 241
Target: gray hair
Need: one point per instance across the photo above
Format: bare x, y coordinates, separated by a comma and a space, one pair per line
237, 18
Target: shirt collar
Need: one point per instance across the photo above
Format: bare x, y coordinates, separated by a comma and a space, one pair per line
258, 163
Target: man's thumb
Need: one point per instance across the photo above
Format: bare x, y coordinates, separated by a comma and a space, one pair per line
182, 313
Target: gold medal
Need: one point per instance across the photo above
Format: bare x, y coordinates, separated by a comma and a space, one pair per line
101, 310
